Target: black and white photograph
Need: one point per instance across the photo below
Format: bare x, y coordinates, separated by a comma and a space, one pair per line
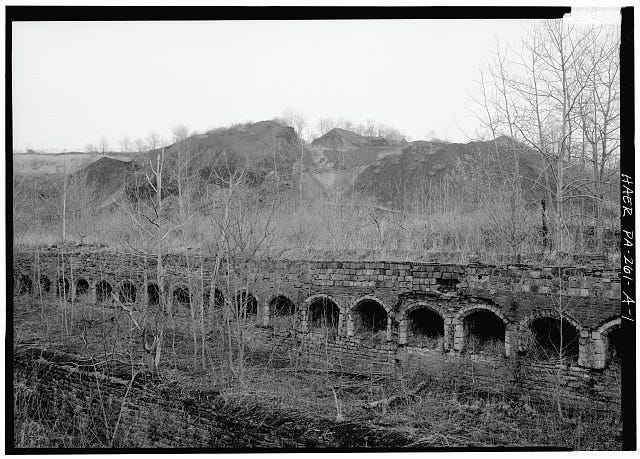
319, 229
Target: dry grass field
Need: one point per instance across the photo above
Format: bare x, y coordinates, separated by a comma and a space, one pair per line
445, 414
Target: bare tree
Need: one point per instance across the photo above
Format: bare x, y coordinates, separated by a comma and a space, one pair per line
141, 146
370, 128
104, 144
326, 124
299, 122
125, 144
90, 148
536, 96
153, 140
485, 183
244, 224
149, 216
345, 124
79, 205
599, 118
185, 175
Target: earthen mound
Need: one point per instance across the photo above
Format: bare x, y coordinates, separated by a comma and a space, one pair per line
422, 165
108, 176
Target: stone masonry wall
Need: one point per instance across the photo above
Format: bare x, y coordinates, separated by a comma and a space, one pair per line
572, 384
587, 299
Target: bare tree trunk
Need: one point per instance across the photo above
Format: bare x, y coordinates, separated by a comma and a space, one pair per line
159, 335
301, 161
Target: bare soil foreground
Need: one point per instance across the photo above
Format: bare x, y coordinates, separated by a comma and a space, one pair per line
79, 381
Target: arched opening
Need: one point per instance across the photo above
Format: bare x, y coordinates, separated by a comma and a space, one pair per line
103, 291
62, 288
370, 321
484, 333
153, 294
45, 284
282, 311
82, 288
127, 292
246, 304
282, 306
181, 296
614, 354
425, 329
25, 285
552, 339
323, 317
218, 298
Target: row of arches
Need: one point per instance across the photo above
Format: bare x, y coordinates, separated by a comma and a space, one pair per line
476, 329
542, 336
127, 292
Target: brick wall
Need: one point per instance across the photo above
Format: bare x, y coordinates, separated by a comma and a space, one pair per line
516, 295
572, 384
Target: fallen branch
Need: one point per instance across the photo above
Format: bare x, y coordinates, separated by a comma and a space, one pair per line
128, 310
387, 402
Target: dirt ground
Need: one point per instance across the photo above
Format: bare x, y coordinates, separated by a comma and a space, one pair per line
438, 416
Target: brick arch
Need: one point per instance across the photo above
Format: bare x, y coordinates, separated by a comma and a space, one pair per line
361, 299
23, 284
601, 341
269, 312
94, 283
459, 330
470, 309
46, 281
324, 296
122, 284
280, 295
63, 286
547, 313
609, 325
351, 320
214, 296
82, 287
415, 306
172, 293
246, 292
151, 292
304, 310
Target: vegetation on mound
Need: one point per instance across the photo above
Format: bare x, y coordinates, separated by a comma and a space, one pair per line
342, 139
468, 203
281, 226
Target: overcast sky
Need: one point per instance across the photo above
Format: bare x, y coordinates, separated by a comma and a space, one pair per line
75, 81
